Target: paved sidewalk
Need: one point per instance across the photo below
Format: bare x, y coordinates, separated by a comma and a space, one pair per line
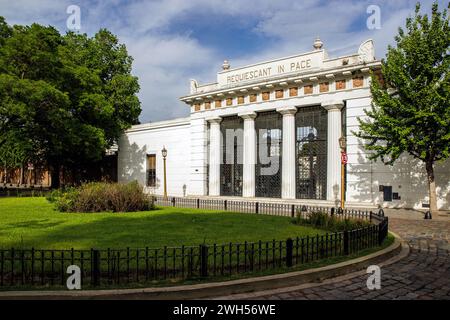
423, 274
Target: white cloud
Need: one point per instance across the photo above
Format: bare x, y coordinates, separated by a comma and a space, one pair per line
164, 61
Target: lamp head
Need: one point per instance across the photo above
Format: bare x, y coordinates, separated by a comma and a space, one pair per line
342, 142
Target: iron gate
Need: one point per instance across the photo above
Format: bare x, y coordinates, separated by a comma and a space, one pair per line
232, 156
268, 127
311, 149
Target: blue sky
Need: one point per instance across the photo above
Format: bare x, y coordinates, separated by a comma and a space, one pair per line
173, 41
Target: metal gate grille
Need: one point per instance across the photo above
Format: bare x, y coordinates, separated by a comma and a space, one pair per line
268, 127
232, 156
311, 149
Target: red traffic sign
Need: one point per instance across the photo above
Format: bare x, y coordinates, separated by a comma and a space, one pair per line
344, 158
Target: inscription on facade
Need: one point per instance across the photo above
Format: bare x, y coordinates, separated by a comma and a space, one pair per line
270, 69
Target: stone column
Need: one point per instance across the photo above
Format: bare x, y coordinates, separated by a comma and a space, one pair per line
249, 157
333, 150
215, 156
288, 181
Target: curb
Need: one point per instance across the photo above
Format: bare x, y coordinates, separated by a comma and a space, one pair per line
226, 288
404, 252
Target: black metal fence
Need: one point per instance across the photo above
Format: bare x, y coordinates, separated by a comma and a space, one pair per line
107, 267
22, 191
269, 208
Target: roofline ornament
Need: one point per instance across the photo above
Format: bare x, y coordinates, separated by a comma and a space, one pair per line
366, 51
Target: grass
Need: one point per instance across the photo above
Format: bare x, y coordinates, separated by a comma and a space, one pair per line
33, 222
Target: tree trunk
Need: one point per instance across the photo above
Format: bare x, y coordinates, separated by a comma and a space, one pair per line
21, 175
431, 186
55, 183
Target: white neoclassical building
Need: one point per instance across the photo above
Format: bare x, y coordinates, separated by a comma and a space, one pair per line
271, 130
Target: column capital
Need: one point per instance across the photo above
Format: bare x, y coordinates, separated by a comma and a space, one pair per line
287, 110
247, 115
333, 105
214, 120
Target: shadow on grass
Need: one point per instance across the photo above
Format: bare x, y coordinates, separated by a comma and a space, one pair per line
155, 229
33, 224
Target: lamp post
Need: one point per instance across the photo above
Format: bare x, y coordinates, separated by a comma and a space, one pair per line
164, 154
342, 145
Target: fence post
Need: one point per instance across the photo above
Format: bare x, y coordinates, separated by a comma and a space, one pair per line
382, 227
257, 207
95, 267
293, 210
203, 260
289, 249
370, 215
198, 203
173, 201
346, 243
225, 205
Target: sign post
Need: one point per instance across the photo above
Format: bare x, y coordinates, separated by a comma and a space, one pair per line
344, 160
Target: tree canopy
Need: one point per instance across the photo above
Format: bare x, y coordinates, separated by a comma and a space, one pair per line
411, 107
66, 97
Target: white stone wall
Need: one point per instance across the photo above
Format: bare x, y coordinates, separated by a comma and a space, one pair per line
198, 137
407, 176
141, 140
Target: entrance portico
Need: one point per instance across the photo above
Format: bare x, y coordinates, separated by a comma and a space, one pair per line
287, 146
290, 158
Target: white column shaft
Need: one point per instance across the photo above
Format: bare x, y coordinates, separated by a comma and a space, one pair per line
215, 152
334, 154
249, 157
288, 181
288, 190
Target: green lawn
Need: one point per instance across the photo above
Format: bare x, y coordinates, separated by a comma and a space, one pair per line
32, 222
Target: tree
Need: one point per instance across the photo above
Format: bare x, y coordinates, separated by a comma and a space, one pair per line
71, 96
411, 106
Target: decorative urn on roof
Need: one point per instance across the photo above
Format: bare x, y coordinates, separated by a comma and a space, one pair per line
318, 44
225, 65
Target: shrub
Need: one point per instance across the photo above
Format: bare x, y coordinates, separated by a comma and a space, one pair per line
323, 220
100, 197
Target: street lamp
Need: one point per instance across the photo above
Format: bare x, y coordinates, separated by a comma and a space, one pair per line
343, 145
164, 154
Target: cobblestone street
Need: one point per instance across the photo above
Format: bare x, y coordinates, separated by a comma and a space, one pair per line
423, 274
